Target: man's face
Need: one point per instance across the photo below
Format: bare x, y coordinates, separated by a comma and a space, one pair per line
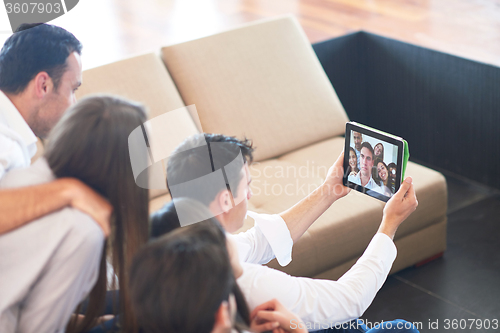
237, 214
58, 101
358, 139
366, 161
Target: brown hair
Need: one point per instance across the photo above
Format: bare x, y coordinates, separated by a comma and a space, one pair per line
90, 143
178, 281
377, 176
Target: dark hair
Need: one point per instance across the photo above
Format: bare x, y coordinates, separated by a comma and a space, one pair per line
90, 143
392, 182
349, 169
382, 155
164, 221
368, 146
32, 49
201, 155
178, 281
377, 177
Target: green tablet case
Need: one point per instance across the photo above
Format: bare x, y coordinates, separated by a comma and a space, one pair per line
406, 150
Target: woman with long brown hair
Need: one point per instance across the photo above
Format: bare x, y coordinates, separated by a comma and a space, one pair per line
184, 280
382, 177
90, 143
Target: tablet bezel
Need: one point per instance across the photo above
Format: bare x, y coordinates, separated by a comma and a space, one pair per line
352, 126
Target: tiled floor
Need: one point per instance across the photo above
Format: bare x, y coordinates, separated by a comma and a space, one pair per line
465, 283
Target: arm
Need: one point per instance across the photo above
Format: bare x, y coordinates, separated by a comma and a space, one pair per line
303, 214
22, 205
325, 301
273, 316
317, 301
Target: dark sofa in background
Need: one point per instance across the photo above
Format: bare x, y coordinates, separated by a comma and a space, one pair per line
446, 107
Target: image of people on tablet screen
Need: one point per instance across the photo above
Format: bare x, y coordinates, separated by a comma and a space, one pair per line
353, 163
376, 164
357, 138
392, 176
382, 177
378, 150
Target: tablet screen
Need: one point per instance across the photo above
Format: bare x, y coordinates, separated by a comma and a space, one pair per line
373, 163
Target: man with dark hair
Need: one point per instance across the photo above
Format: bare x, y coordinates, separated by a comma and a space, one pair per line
209, 153
40, 70
213, 169
358, 139
317, 302
364, 176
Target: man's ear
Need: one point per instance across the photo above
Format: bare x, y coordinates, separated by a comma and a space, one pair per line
222, 319
42, 84
225, 201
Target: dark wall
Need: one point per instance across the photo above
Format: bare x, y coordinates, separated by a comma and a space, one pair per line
446, 107
344, 61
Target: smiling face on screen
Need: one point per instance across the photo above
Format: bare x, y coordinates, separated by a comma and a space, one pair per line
382, 171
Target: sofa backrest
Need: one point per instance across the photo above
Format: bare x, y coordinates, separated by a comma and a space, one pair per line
262, 81
143, 79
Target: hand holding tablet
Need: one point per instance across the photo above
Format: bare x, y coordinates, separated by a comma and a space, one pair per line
374, 161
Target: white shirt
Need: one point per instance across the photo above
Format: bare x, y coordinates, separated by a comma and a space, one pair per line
371, 185
48, 266
17, 140
269, 238
323, 302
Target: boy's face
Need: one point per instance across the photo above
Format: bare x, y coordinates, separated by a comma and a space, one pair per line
366, 161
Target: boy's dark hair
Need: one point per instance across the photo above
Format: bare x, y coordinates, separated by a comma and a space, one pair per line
203, 154
32, 49
368, 146
164, 221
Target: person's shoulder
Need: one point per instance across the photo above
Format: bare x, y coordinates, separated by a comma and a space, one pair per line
66, 225
36, 174
80, 222
73, 223
12, 155
354, 178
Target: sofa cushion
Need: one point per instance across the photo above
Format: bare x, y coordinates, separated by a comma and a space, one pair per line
143, 79
344, 230
262, 81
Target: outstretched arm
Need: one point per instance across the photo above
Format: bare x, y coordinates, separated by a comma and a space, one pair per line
326, 301
303, 214
22, 205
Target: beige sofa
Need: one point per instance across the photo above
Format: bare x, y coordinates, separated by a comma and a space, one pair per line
263, 81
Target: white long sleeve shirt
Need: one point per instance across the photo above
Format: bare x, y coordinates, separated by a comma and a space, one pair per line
323, 302
269, 238
17, 140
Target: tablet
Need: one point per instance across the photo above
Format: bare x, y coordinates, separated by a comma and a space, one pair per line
374, 161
